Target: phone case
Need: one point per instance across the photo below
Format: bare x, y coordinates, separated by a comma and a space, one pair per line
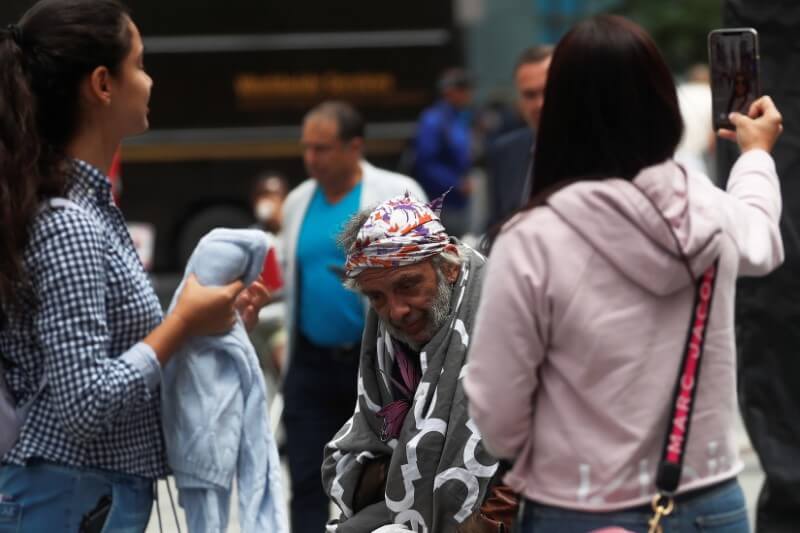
95, 520
735, 82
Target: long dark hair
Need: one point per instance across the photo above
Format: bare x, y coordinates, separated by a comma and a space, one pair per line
610, 106
43, 60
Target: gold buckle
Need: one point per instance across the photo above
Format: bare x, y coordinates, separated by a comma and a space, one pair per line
660, 510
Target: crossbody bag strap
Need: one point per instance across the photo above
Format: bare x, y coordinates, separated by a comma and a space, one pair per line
673, 452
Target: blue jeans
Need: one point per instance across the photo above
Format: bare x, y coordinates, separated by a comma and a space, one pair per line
721, 509
54, 499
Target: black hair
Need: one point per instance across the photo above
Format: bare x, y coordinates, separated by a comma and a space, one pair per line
349, 122
610, 106
43, 60
533, 55
269, 181
454, 78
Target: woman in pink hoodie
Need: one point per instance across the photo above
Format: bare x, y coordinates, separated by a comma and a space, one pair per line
586, 305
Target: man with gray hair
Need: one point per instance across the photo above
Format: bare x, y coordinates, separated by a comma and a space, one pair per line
410, 457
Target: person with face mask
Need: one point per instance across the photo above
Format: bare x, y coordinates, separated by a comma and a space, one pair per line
269, 334
269, 192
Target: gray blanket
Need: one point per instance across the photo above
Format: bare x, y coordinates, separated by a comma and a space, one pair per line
439, 470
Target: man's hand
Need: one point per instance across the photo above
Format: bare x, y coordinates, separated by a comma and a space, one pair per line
250, 302
206, 310
372, 485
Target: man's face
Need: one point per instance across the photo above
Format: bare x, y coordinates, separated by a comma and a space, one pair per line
267, 210
413, 300
531, 79
459, 97
740, 84
328, 158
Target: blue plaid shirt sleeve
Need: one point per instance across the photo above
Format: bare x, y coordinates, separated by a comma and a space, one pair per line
91, 389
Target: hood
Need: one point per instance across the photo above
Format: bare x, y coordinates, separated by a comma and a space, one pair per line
641, 227
224, 255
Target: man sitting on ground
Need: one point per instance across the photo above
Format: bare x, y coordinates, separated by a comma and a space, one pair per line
410, 455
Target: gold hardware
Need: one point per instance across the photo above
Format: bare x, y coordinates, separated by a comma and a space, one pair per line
660, 510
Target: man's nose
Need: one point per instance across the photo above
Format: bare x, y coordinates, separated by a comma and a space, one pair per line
398, 310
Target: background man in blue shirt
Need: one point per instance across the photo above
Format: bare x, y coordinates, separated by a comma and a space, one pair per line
324, 320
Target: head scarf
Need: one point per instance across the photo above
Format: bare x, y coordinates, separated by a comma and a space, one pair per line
399, 232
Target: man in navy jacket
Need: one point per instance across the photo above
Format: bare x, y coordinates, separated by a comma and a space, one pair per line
509, 157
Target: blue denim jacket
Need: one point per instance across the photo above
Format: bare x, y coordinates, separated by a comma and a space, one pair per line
215, 416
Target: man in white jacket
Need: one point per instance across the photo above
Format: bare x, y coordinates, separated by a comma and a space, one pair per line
324, 320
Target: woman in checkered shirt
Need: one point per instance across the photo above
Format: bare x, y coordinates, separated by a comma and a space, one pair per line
81, 330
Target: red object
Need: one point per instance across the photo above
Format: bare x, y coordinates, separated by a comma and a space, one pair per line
271, 275
115, 176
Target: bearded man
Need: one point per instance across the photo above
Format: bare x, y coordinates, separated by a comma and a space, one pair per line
410, 457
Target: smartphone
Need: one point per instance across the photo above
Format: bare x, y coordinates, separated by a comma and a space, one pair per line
95, 520
735, 83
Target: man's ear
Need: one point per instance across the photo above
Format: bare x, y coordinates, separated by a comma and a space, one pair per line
97, 86
357, 144
451, 271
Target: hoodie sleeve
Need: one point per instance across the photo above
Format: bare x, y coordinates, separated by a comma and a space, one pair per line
508, 344
753, 210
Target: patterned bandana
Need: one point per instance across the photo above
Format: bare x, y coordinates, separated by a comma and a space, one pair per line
399, 232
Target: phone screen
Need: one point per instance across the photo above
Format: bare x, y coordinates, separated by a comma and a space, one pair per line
733, 56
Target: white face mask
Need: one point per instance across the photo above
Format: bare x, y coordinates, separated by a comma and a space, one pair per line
265, 209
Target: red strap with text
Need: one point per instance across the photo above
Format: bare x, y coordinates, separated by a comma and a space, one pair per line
669, 469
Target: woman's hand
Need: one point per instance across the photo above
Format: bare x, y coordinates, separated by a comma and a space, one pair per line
759, 129
207, 310
250, 301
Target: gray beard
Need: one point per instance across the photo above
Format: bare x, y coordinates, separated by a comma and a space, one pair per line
437, 315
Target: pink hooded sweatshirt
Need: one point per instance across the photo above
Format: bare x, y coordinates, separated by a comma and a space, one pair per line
582, 324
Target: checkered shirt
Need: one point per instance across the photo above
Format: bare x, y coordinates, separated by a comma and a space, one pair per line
86, 302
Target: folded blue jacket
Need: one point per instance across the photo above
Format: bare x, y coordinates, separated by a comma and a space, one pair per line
215, 417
